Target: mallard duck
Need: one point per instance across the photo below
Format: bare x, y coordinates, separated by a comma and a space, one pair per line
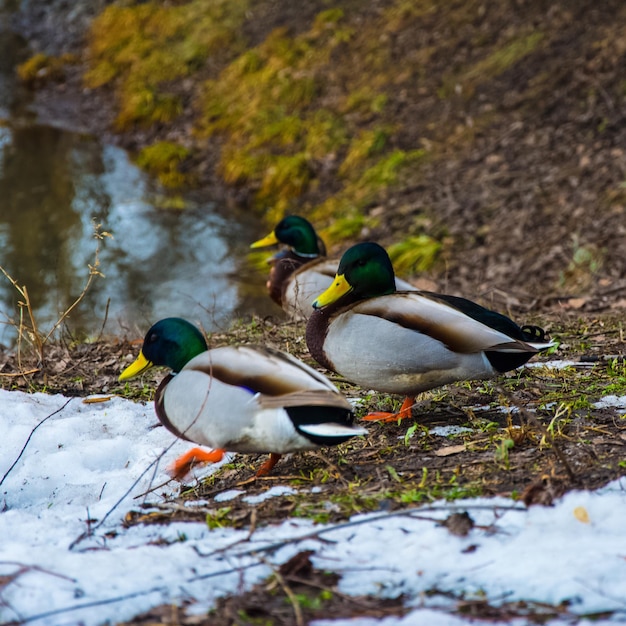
239, 398
300, 271
408, 342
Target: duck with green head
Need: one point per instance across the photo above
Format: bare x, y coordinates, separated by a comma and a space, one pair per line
300, 271
408, 342
239, 398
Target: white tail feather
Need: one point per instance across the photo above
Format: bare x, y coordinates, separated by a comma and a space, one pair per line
331, 429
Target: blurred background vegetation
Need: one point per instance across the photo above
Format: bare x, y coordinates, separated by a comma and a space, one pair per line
480, 141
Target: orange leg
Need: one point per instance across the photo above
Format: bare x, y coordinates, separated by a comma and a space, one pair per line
183, 464
265, 469
382, 416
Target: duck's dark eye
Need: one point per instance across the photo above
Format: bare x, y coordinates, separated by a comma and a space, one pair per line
152, 338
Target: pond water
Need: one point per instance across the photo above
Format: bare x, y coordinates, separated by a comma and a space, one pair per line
55, 185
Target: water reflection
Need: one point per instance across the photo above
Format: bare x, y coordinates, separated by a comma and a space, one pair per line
35, 246
12, 51
54, 184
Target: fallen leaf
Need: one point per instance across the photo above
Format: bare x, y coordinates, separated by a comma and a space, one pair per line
448, 450
95, 399
459, 524
580, 513
298, 565
575, 303
543, 491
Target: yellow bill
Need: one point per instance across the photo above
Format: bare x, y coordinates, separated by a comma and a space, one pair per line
270, 240
340, 287
139, 365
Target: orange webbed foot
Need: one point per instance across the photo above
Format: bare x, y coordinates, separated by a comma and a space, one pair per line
183, 464
406, 410
265, 469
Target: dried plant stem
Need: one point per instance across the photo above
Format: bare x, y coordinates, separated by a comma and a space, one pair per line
93, 272
32, 432
16, 374
288, 591
29, 329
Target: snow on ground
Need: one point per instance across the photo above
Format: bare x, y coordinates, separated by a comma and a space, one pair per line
616, 402
94, 462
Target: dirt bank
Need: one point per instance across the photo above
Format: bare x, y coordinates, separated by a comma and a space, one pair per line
524, 184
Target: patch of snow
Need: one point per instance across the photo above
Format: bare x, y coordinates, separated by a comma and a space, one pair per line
420, 617
446, 431
607, 402
231, 494
273, 492
86, 466
554, 364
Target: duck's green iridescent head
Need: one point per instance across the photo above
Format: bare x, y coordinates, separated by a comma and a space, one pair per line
172, 342
365, 271
297, 233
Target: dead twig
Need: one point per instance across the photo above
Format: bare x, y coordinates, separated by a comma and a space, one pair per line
16, 374
30, 328
532, 419
288, 591
32, 432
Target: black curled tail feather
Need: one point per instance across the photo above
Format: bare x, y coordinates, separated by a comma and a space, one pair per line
533, 334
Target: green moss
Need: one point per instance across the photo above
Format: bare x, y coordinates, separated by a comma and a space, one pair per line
263, 105
326, 18
386, 170
314, 601
366, 144
339, 505
270, 105
277, 129
365, 100
586, 261
41, 67
278, 78
414, 254
351, 500
402, 11
346, 227
140, 48
145, 393
294, 112
286, 178
326, 133
434, 486
346, 208
501, 59
163, 159
219, 518
573, 389
148, 106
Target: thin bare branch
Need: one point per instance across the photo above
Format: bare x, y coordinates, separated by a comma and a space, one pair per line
293, 599
32, 432
30, 330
